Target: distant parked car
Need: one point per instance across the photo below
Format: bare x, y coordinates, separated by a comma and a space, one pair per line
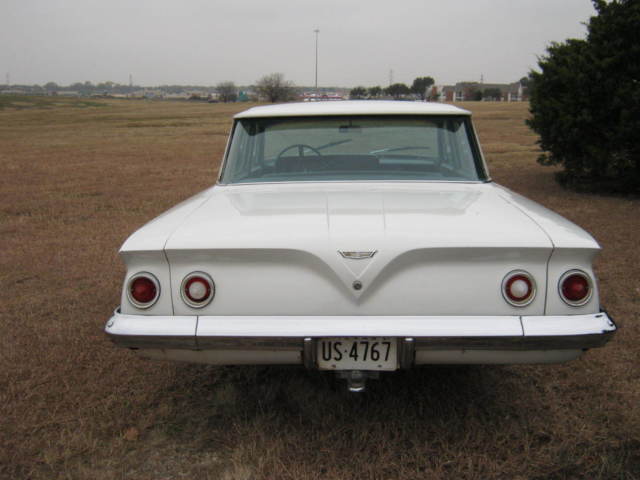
359, 237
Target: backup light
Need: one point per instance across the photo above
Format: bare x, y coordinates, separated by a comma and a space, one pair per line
197, 289
518, 288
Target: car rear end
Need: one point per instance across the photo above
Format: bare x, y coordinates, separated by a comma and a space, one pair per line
359, 237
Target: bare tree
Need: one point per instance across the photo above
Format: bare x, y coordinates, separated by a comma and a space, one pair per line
274, 88
227, 91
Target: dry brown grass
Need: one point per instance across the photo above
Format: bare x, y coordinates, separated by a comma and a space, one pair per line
76, 181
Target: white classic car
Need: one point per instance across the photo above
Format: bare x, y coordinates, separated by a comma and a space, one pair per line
359, 237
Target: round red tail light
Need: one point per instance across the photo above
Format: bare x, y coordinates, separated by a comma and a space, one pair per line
575, 288
519, 288
197, 289
143, 290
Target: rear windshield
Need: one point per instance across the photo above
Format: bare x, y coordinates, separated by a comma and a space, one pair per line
352, 148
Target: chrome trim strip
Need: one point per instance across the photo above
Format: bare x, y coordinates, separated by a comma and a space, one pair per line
351, 255
408, 346
253, 343
306, 182
309, 353
559, 342
137, 331
406, 353
153, 341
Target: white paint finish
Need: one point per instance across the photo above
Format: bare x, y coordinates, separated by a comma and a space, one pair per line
567, 325
290, 215
290, 282
273, 249
154, 234
355, 220
144, 325
563, 233
454, 213
226, 357
494, 357
358, 326
354, 107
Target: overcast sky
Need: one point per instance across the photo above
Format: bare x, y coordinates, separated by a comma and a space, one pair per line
207, 41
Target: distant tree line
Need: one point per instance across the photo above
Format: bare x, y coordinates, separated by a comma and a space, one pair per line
88, 88
272, 88
104, 88
420, 89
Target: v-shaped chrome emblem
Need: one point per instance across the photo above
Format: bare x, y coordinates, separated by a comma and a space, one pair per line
357, 255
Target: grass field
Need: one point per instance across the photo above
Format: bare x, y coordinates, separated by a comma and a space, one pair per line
77, 178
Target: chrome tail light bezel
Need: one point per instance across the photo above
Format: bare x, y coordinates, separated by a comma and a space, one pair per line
207, 300
532, 294
580, 273
132, 300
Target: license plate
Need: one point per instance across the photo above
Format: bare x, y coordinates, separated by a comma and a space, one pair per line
354, 353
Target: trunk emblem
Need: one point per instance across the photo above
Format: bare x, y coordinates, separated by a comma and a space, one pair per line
357, 255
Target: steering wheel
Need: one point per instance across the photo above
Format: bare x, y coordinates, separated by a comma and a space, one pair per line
300, 147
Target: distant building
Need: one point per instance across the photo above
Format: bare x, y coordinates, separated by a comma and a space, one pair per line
444, 93
68, 93
176, 96
321, 97
468, 91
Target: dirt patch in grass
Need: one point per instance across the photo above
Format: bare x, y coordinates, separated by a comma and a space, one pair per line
77, 182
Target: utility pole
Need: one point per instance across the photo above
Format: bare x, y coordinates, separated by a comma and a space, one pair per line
8, 79
391, 77
316, 31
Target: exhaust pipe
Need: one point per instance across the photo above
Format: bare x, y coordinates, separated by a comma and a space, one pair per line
357, 379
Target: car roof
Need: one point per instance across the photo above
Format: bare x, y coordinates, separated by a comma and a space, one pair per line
352, 107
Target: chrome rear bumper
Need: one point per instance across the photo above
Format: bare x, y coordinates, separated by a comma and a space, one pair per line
429, 336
